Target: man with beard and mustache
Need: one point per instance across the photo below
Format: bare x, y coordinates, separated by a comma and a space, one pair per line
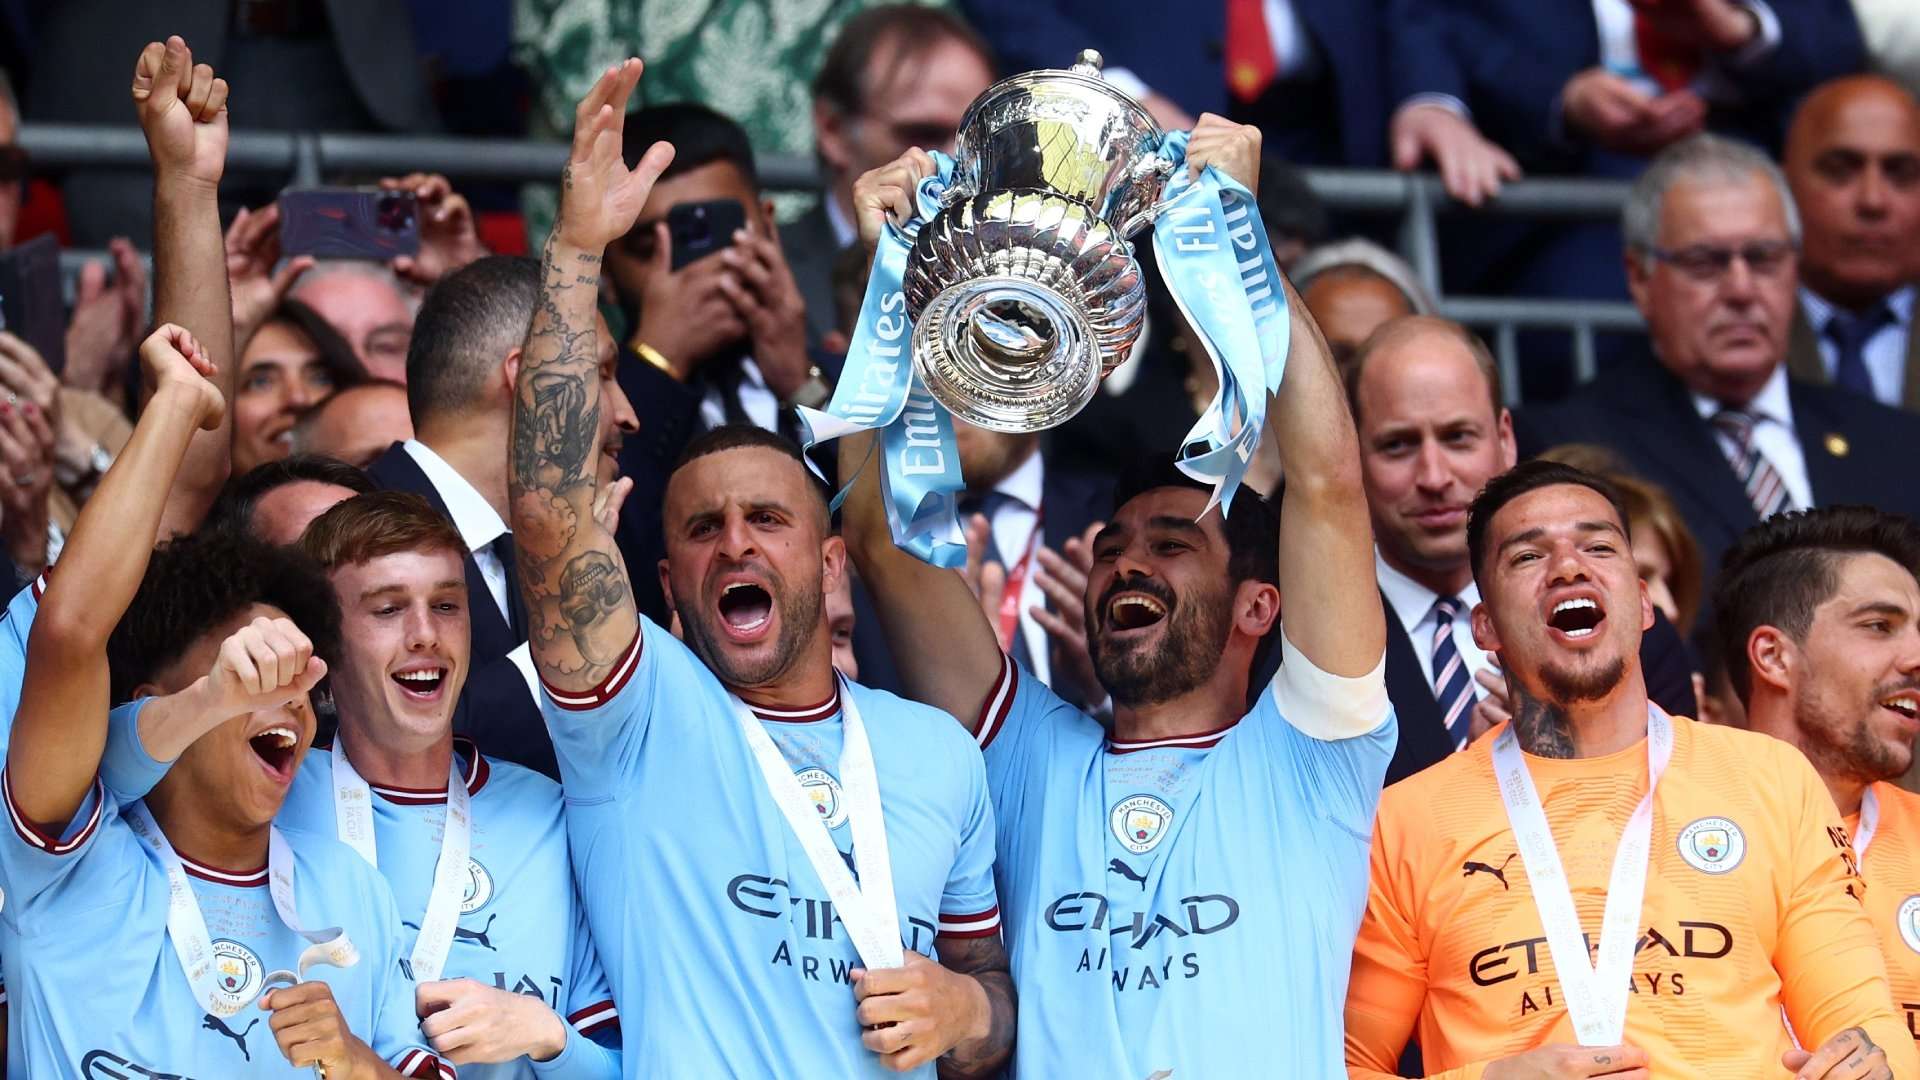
1819, 619
769, 855
1181, 893
1724, 876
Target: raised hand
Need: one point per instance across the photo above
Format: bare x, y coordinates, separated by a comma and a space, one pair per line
888, 191
1062, 578
600, 198
448, 238
1232, 148
170, 358
761, 288
987, 580
183, 110
253, 249
1720, 25
262, 665
107, 319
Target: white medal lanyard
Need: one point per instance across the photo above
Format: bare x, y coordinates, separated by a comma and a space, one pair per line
188, 928
1869, 824
866, 907
1595, 993
353, 820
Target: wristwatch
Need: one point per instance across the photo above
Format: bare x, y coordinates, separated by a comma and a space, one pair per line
94, 465
814, 392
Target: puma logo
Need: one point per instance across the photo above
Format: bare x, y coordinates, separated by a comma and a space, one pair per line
1159, 1074
1115, 866
1468, 869
214, 1023
478, 937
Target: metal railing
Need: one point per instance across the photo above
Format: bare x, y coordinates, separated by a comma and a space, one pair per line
309, 158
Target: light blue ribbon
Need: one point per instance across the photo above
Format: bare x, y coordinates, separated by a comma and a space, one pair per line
1213, 252
878, 390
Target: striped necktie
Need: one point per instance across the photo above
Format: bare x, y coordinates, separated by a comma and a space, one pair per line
1764, 488
1452, 682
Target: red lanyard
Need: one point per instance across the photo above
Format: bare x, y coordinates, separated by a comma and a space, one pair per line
1016, 584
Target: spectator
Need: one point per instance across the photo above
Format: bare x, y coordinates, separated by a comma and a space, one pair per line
341, 65
1354, 287
370, 307
357, 424
1573, 93
465, 347
841, 623
1432, 433
275, 502
290, 364
896, 77
1712, 415
1853, 160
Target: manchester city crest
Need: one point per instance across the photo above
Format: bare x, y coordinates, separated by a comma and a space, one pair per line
1140, 821
479, 888
1712, 845
237, 972
824, 792
1909, 922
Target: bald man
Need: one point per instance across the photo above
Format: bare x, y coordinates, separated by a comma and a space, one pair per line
1853, 162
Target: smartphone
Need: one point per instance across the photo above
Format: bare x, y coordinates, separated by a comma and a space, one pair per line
31, 304
700, 229
349, 223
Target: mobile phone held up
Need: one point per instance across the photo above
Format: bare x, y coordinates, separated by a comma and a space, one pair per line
31, 305
349, 223
699, 229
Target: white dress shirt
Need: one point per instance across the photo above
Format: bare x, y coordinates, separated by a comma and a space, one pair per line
473, 516
1885, 352
1015, 526
1620, 52
756, 400
1295, 56
1772, 433
1412, 603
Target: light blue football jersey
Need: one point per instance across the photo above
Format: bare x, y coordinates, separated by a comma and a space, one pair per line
724, 951
521, 927
1180, 907
97, 988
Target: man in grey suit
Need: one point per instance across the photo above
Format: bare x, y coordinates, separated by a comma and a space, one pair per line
1853, 162
306, 65
897, 77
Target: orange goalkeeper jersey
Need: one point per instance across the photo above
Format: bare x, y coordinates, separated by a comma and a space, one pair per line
1891, 865
1751, 904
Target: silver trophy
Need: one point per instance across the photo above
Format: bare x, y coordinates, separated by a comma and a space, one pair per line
1024, 288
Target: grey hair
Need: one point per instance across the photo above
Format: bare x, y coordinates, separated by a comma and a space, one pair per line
1701, 157
1361, 254
408, 293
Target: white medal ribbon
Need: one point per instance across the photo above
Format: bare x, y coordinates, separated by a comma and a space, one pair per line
353, 821
1596, 992
193, 946
1869, 824
866, 907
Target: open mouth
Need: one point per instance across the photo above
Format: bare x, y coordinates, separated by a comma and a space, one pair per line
423, 683
274, 747
1577, 618
1134, 611
745, 607
1906, 703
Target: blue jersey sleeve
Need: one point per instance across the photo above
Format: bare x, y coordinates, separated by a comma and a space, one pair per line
35, 864
1020, 726
1330, 736
598, 733
968, 904
590, 1010
128, 771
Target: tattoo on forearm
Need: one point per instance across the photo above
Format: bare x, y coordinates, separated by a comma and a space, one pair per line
985, 959
1543, 730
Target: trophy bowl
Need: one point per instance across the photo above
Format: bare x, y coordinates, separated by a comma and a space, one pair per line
1024, 288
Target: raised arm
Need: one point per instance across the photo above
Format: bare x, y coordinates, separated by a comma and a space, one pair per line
183, 110
61, 728
571, 575
1329, 599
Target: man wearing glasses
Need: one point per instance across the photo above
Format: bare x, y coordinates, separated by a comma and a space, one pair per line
1712, 415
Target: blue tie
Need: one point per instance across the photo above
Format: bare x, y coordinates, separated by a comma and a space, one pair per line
1850, 334
1452, 683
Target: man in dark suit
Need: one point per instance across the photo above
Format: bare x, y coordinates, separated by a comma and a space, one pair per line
304, 65
460, 371
1853, 161
1712, 415
1425, 400
896, 77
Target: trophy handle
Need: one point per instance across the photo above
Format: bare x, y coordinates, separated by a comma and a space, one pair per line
1152, 169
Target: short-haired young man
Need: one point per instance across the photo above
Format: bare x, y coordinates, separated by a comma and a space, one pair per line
1598, 888
1818, 617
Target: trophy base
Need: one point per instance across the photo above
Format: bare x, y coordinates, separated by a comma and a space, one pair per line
1007, 354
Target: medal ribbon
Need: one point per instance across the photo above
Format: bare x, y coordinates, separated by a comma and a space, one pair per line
1595, 993
1869, 824
866, 907
353, 821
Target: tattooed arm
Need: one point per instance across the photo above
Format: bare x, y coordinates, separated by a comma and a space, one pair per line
579, 601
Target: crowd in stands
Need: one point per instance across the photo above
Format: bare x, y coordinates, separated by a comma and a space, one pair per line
522, 522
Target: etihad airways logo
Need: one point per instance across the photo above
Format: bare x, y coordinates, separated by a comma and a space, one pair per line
1196, 916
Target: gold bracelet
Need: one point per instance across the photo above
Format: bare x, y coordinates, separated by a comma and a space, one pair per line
652, 356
